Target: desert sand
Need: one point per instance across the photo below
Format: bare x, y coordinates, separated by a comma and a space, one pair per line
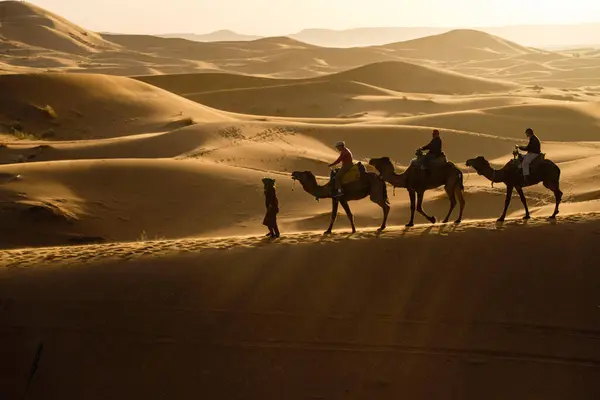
131, 205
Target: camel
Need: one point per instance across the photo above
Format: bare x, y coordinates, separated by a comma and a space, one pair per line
368, 185
542, 170
417, 182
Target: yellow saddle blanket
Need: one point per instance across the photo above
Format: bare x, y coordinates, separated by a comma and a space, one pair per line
352, 175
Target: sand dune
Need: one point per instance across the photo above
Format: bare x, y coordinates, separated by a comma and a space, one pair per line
75, 200
559, 122
460, 44
307, 99
66, 47
333, 95
187, 84
26, 23
309, 63
181, 48
216, 36
273, 43
273, 126
407, 77
93, 106
131, 204
310, 317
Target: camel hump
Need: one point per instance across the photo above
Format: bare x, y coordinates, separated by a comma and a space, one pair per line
441, 161
361, 168
437, 162
538, 160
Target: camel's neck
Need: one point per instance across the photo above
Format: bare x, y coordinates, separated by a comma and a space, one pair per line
311, 186
396, 180
494, 175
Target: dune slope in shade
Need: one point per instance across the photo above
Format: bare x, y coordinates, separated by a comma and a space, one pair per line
305, 317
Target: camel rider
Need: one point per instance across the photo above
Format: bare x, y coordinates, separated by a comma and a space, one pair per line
434, 148
533, 149
346, 159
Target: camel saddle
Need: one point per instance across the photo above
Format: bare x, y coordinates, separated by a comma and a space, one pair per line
355, 173
536, 161
433, 163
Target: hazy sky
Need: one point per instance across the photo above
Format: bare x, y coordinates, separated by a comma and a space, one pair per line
273, 17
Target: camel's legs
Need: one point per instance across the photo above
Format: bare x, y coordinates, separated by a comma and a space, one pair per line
452, 199
346, 208
334, 210
420, 195
380, 198
557, 195
523, 200
386, 210
411, 195
461, 203
509, 190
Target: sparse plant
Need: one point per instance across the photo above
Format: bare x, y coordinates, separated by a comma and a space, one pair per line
188, 121
145, 238
232, 132
48, 134
49, 111
18, 132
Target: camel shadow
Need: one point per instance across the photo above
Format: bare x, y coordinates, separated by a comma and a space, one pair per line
448, 228
427, 230
516, 222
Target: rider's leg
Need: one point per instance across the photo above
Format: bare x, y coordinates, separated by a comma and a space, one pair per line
527, 159
338, 177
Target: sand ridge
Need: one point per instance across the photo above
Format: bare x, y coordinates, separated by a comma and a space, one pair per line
152, 248
132, 246
227, 315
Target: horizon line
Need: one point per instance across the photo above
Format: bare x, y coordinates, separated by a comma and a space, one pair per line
449, 27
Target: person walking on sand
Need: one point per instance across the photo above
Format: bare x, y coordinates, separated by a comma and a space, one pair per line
346, 159
272, 205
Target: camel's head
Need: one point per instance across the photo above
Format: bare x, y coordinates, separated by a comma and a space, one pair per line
477, 163
381, 164
302, 176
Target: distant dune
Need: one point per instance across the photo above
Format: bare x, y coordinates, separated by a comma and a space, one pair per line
396, 76
50, 43
407, 77
462, 44
133, 261
551, 37
224, 35
332, 95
